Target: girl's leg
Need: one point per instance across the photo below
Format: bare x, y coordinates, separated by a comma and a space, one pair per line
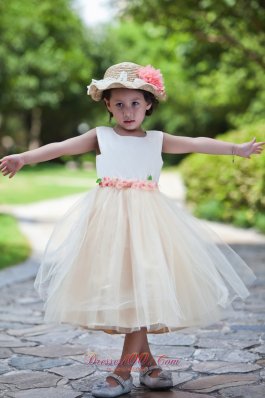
146, 358
132, 346
135, 346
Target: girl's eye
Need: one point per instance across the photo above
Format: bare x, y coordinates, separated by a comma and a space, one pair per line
119, 105
135, 103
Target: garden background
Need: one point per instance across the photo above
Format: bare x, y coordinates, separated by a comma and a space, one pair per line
212, 57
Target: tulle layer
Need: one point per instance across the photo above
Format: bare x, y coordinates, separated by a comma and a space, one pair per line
122, 259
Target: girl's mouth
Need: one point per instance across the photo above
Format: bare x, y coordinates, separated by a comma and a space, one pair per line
128, 121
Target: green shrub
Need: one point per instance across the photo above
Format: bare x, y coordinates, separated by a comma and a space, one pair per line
218, 189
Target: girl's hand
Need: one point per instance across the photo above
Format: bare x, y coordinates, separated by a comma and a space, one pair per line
249, 148
11, 164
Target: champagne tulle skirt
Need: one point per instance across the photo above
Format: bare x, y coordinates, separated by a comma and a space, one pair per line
122, 259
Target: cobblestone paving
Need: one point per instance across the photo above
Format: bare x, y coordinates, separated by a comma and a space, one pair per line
225, 359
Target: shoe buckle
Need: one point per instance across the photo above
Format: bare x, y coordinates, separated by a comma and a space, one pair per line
150, 368
118, 378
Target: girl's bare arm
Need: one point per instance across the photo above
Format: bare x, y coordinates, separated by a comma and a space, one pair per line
85, 143
179, 144
71, 146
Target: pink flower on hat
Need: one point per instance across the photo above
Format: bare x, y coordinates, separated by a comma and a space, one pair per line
152, 76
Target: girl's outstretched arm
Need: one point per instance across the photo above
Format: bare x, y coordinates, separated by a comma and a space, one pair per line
179, 144
11, 164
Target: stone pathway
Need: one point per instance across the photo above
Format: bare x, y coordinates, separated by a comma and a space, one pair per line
225, 359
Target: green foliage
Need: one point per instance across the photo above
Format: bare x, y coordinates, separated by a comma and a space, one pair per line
210, 53
223, 26
80, 160
39, 53
14, 247
216, 49
45, 64
218, 189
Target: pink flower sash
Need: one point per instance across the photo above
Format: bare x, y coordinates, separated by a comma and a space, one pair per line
123, 183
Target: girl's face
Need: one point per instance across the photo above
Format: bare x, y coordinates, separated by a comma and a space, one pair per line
128, 108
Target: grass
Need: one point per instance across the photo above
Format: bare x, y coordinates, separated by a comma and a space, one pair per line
14, 247
31, 184
41, 182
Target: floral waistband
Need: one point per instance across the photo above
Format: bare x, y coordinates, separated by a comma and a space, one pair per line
123, 183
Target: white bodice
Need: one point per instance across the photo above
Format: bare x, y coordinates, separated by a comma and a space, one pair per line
129, 157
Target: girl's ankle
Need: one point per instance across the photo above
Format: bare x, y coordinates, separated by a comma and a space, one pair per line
147, 365
147, 360
125, 374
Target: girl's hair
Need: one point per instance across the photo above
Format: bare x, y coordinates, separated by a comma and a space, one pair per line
149, 98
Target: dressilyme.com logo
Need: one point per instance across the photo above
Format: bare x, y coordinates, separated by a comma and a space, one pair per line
142, 360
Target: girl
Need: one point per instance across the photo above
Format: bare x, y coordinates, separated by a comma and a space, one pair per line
126, 258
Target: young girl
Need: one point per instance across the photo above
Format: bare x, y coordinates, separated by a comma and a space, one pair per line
126, 258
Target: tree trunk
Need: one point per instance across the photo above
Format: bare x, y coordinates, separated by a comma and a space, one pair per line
35, 128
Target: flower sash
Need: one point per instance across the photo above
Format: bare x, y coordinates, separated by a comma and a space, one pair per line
124, 183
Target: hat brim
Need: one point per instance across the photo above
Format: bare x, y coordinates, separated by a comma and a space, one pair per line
96, 88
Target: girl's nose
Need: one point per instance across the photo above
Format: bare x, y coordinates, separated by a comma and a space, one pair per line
127, 112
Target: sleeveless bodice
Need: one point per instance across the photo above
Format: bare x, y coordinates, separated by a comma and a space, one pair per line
129, 157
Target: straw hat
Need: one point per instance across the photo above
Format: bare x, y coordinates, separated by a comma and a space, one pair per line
129, 75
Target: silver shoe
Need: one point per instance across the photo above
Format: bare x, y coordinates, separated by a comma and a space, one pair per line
162, 382
104, 389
